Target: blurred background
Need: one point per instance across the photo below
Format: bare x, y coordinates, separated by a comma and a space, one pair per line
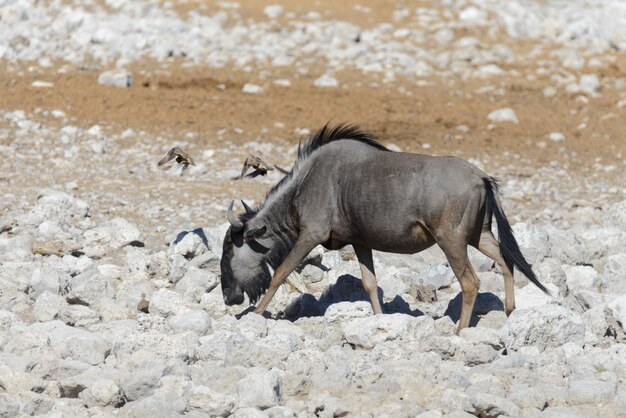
93, 93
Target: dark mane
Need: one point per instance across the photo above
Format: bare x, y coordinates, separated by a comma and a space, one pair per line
324, 136
340, 132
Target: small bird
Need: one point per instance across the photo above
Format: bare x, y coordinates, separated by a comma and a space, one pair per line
182, 159
260, 167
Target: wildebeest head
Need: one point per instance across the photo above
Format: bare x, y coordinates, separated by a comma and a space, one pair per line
243, 265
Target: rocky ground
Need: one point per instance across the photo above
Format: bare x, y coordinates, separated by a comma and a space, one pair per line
110, 303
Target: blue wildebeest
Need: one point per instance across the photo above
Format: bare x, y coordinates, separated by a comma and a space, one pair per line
346, 188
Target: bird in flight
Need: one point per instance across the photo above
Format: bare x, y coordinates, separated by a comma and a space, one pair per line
182, 159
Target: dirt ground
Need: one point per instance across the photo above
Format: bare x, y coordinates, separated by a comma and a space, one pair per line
204, 100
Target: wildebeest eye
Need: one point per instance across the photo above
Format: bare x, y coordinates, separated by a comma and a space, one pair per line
255, 233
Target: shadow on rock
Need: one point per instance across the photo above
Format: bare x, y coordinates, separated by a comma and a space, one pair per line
198, 231
347, 289
485, 303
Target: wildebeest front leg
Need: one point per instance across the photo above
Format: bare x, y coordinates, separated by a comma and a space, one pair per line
300, 250
368, 276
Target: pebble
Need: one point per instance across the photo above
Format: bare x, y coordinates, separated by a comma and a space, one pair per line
273, 11
116, 78
556, 136
250, 88
503, 115
325, 81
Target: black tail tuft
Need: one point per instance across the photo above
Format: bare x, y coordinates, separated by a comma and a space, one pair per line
508, 245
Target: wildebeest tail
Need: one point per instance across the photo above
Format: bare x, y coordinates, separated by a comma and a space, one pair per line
508, 245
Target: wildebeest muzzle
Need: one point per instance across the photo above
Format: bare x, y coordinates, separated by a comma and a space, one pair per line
233, 297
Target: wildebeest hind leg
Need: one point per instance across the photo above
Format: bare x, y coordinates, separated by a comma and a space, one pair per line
299, 251
460, 264
490, 246
368, 276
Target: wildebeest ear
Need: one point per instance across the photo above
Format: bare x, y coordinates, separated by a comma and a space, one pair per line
255, 233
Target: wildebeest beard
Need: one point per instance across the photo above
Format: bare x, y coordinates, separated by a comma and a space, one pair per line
255, 287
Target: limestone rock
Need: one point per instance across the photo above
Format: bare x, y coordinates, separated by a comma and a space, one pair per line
542, 327
259, 389
165, 302
195, 321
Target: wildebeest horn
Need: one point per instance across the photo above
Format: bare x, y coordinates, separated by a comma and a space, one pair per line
245, 205
236, 224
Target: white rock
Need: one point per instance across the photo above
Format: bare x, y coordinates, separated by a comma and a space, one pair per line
77, 344
283, 82
394, 282
326, 81
556, 136
580, 277
253, 327
438, 275
141, 383
78, 315
195, 321
273, 11
542, 327
213, 303
210, 402
533, 241
47, 279
549, 91
348, 310
590, 391
589, 83
117, 78
115, 233
157, 265
612, 278
58, 207
311, 274
369, 331
195, 283
89, 288
250, 88
259, 389
444, 36
8, 319
531, 296
476, 354
473, 15
567, 247
9, 405
165, 302
47, 306
178, 266
490, 70
189, 244
105, 392
249, 413
42, 84
550, 271
615, 215
618, 310
482, 335
503, 115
